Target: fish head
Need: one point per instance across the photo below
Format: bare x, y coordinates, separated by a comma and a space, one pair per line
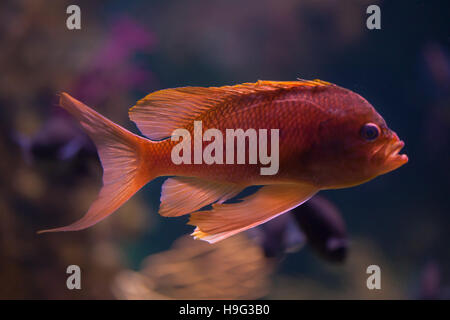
356, 145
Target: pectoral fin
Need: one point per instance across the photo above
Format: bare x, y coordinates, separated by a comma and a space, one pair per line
227, 219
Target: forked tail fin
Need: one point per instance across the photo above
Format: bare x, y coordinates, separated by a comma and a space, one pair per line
121, 155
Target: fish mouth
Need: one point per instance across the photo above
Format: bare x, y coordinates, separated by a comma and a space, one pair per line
392, 152
392, 157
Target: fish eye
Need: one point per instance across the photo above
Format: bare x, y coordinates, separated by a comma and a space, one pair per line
370, 131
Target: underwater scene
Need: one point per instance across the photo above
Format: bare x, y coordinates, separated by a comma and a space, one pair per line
224, 150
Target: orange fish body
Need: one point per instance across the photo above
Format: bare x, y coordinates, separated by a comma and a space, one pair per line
326, 137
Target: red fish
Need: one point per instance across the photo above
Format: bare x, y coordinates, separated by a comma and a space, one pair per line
329, 137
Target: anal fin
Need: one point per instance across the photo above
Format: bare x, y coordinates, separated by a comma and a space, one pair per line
183, 195
227, 219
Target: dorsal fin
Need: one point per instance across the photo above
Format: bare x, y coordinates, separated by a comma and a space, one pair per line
161, 112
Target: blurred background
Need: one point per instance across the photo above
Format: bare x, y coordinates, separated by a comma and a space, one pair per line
50, 172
